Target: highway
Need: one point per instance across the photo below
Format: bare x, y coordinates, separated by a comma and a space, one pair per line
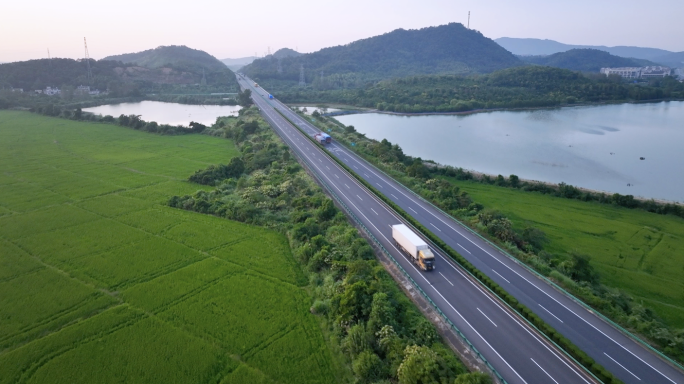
517, 353
627, 359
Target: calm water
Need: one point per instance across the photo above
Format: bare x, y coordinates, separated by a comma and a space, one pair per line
592, 147
168, 113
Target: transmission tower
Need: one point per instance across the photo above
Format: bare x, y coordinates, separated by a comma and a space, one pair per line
302, 81
49, 57
87, 60
280, 67
468, 19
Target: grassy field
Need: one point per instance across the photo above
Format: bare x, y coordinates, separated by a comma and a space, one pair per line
639, 252
100, 281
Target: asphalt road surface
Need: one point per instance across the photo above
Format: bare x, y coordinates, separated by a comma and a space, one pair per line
510, 346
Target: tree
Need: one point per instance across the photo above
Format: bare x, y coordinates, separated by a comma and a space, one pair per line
367, 366
382, 312
245, 98
420, 366
581, 269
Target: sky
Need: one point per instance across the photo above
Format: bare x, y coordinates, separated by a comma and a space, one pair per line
233, 29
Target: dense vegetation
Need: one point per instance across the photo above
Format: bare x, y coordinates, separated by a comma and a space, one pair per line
522, 87
39, 74
379, 330
102, 282
585, 60
451, 49
562, 261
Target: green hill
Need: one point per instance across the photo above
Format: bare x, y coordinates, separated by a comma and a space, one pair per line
38, 74
174, 56
446, 49
585, 60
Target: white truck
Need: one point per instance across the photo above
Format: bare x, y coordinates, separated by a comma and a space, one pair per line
409, 242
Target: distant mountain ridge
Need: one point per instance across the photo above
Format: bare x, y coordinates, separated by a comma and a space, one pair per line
585, 60
174, 56
448, 49
535, 47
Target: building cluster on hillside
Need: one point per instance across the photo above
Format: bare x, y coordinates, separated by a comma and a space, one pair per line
638, 72
82, 90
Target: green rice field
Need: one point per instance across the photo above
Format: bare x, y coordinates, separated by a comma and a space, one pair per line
101, 282
639, 252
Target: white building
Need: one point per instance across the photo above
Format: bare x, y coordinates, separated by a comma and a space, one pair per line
655, 71
638, 72
624, 72
52, 91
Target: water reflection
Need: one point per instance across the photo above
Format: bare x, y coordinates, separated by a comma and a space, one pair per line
596, 147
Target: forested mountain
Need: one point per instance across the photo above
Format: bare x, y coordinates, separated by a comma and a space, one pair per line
585, 60
534, 47
175, 64
38, 74
173, 56
285, 52
675, 60
451, 49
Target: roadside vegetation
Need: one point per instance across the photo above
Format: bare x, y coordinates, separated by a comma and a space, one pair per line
101, 281
519, 87
382, 335
619, 255
285, 291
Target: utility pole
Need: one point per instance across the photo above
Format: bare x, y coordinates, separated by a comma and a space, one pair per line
87, 59
49, 58
302, 81
468, 19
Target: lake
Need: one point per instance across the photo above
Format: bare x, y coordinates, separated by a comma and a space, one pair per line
595, 147
168, 113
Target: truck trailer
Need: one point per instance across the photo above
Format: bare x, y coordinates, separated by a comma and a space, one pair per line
407, 240
323, 138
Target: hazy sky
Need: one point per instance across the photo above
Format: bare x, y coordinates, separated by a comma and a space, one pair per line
231, 29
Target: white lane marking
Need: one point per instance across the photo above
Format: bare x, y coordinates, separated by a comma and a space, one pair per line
359, 197
413, 210
547, 374
356, 168
379, 185
319, 160
426, 280
337, 176
515, 320
463, 248
347, 186
365, 174
448, 303
374, 211
623, 367
327, 167
501, 276
452, 284
487, 317
550, 313
436, 227
394, 196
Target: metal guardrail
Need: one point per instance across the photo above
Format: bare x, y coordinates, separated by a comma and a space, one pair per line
477, 353
534, 272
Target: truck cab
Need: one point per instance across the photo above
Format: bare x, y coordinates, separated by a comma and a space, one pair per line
426, 260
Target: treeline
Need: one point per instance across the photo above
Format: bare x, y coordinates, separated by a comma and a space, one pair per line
520, 87
381, 333
572, 270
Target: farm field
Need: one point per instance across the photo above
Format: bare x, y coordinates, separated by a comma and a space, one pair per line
100, 281
639, 252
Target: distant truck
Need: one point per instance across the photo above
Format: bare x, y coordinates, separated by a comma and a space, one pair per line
270, 96
409, 242
256, 85
323, 138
